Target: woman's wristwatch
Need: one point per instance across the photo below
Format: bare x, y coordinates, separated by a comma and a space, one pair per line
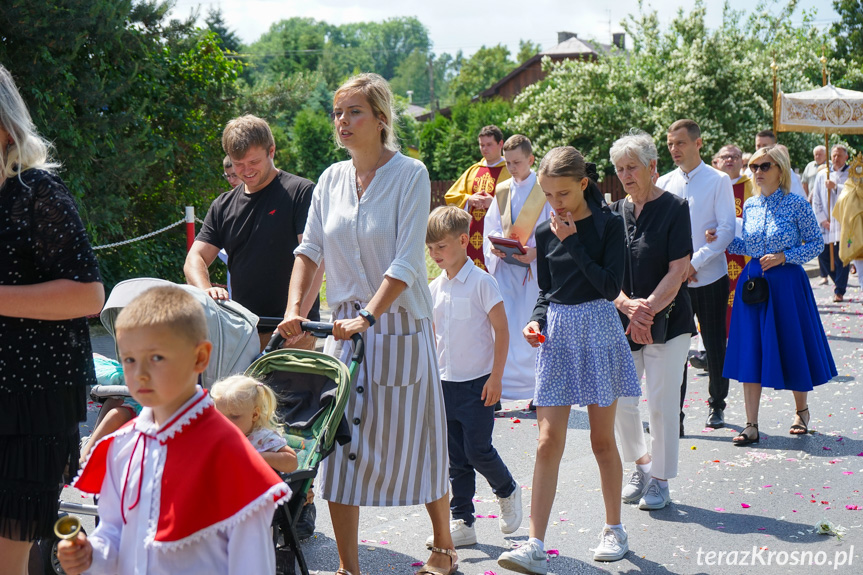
367, 315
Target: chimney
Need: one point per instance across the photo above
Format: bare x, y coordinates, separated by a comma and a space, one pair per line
619, 40
564, 36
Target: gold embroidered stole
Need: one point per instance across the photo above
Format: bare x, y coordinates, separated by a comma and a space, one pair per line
523, 226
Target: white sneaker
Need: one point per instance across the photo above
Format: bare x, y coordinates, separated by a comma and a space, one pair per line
655, 497
528, 558
510, 511
613, 545
462, 534
636, 487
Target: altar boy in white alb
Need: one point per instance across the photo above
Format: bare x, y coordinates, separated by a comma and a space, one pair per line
518, 208
181, 488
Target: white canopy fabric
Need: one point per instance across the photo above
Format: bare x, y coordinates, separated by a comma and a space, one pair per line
825, 110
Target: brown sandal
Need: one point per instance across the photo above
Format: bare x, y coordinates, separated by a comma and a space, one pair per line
800, 427
427, 569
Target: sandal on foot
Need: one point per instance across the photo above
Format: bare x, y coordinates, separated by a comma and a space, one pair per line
343, 572
800, 427
744, 439
430, 570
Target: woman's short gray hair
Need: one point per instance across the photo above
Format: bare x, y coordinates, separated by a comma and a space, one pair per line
28, 149
636, 144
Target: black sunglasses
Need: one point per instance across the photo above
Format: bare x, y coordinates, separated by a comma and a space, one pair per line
227, 177
763, 167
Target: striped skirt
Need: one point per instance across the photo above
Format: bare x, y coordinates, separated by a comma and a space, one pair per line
398, 449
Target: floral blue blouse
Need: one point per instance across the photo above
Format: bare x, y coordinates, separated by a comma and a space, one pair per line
779, 223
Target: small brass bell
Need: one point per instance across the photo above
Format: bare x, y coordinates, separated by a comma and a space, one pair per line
67, 527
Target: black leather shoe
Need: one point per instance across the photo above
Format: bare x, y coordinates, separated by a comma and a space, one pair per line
698, 360
716, 418
306, 523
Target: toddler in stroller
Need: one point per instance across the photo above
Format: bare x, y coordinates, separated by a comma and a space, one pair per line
251, 406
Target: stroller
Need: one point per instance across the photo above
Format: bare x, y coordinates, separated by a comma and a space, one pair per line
313, 391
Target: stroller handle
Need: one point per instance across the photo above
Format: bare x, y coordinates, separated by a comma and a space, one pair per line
320, 330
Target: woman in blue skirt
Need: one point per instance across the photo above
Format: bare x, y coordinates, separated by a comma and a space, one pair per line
583, 355
780, 342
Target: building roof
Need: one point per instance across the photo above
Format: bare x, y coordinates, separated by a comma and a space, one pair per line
569, 48
414, 110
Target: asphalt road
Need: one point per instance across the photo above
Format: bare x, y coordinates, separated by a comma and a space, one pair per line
765, 498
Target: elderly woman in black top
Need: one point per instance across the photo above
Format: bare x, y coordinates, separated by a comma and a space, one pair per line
657, 314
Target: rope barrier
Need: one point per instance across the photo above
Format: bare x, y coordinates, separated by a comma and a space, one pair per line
139, 238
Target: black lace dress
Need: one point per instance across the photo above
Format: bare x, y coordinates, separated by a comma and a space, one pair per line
45, 366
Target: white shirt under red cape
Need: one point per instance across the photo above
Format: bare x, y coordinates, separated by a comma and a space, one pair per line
191, 496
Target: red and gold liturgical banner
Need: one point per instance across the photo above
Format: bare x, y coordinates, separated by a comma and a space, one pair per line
485, 180
736, 263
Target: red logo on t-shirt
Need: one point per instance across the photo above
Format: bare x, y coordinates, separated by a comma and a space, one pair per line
273, 212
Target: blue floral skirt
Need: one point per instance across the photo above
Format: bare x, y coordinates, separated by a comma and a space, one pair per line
779, 343
585, 358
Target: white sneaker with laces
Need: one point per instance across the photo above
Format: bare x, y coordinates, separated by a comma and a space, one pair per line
655, 497
511, 512
613, 545
528, 558
636, 487
462, 534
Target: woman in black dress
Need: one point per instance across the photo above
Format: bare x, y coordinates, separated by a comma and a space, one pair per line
49, 280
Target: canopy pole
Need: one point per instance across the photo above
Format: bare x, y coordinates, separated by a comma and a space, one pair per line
774, 67
827, 146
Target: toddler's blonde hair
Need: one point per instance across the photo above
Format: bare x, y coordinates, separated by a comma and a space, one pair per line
246, 393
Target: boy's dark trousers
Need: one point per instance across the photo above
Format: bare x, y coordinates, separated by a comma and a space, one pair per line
469, 427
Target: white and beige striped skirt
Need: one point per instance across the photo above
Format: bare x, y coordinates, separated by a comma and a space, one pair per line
398, 451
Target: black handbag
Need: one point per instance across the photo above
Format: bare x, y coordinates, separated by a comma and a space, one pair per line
755, 290
659, 329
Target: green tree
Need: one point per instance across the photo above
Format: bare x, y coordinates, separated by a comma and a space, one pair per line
482, 70
135, 104
289, 46
413, 74
527, 50
848, 30
216, 22
449, 145
720, 78
847, 65
337, 52
312, 145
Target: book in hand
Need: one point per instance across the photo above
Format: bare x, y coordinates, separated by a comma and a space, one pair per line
510, 248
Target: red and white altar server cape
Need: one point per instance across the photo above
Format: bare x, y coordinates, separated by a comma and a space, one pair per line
191, 496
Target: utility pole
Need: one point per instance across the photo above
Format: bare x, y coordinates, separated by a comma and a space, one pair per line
431, 85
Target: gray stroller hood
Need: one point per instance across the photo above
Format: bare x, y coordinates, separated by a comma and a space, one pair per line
231, 328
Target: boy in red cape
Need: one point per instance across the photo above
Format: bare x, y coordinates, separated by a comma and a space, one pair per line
181, 489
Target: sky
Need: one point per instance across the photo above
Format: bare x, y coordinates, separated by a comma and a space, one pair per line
468, 25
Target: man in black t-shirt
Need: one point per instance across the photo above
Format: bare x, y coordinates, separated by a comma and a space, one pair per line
259, 224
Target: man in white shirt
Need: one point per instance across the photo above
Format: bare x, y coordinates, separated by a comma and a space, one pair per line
819, 154
711, 206
825, 193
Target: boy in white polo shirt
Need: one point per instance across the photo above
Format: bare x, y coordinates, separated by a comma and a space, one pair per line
469, 316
